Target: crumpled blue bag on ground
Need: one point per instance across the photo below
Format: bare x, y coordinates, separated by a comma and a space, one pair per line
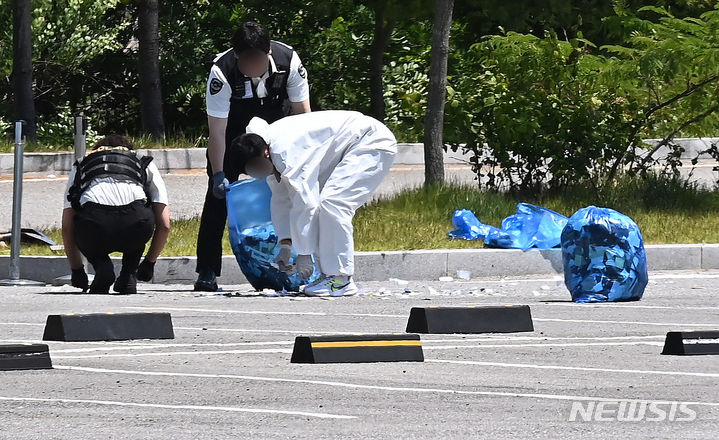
468, 226
603, 256
253, 237
531, 226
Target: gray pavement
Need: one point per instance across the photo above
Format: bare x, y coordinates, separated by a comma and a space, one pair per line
227, 374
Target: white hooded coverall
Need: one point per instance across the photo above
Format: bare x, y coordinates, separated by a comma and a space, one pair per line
330, 163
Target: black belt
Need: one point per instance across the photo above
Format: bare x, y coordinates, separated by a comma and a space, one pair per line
136, 203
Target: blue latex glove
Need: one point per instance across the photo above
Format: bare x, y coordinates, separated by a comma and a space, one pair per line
219, 185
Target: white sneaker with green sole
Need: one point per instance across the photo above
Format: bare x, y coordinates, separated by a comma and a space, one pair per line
336, 285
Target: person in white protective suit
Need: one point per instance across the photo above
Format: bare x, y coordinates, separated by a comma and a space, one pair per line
321, 167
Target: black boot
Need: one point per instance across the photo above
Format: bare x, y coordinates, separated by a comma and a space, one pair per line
206, 281
104, 276
126, 283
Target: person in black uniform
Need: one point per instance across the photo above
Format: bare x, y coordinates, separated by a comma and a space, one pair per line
257, 77
114, 202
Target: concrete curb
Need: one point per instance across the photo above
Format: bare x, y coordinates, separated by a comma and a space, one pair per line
61, 163
408, 265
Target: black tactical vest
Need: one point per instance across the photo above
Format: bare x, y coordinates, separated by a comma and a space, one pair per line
270, 108
117, 162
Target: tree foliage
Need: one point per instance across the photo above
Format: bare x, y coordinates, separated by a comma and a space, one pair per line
545, 112
545, 93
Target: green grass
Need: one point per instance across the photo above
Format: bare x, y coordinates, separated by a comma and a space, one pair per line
6, 146
146, 142
667, 211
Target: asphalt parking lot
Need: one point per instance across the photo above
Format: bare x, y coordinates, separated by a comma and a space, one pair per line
227, 373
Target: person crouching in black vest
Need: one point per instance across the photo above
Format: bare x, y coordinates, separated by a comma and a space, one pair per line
115, 202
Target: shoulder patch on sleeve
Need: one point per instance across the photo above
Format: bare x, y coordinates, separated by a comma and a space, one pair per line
301, 70
215, 86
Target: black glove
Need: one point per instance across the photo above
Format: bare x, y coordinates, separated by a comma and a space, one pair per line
79, 278
146, 270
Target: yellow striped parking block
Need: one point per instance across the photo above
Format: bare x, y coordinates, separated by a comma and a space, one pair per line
357, 348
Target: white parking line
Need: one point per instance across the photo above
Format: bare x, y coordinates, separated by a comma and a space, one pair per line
234, 330
248, 330
268, 312
382, 388
583, 344
181, 407
156, 346
496, 337
599, 321
101, 344
683, 276
623, 305
563, 367
176, 353
98, 346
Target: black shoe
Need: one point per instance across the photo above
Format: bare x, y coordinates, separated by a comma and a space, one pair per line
206, 281
104, 277
126, 283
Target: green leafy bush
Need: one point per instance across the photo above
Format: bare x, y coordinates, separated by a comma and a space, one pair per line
537, 113
543, 112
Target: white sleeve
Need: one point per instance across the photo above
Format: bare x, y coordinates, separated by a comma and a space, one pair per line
70, 179
298, 88
156, 189
280, 208
217, 94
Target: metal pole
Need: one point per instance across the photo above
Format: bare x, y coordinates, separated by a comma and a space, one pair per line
16, 203
16, 233
80, 138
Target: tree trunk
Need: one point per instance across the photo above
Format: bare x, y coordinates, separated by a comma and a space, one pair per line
22, 66
434, 121
382, 34
149, 66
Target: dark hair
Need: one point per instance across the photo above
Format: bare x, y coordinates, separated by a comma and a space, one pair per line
251, 35
114, 140
246, 147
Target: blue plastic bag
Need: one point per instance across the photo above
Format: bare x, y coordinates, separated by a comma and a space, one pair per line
531, 226
468, 226
603, 256
253, 237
